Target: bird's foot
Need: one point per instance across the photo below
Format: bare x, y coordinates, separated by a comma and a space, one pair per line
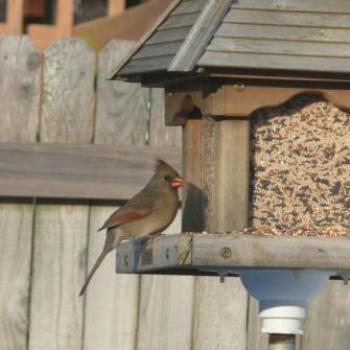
149, 239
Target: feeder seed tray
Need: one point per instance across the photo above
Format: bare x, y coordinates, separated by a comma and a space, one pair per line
228, 254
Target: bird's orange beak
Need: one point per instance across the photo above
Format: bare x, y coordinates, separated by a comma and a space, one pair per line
178, 182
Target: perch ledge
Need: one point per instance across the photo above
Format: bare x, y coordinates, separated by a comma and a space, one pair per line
229, 254
281, 271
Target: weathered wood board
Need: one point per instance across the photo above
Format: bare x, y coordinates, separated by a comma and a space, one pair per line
220, 315
78, 171
20, 81
56, 313
328, 324
111, 302
224, 158
255, 339
164, 319
234, 251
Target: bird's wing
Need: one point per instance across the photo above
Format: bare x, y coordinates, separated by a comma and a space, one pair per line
123, 215
141, 205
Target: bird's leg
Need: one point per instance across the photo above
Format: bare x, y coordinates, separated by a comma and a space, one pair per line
149, 239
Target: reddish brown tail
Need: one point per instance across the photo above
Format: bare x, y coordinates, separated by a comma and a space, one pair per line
93, 270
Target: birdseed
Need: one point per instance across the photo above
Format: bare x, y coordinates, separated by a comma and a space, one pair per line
300, 162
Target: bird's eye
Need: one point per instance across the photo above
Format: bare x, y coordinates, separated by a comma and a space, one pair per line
167, 178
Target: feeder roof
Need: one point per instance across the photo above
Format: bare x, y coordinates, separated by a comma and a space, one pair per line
298, 35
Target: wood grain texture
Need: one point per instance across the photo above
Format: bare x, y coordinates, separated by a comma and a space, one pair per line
208, 171
242, 102
301, 34
58, 269
224, 192
164, 321
152, 64
268, 46
169, 5
183, 20
272, 251
61, 230
194, 201
20, 71
161, 49
161, 54
162, 36
255, 339
15, 255
284, 18
78, 171
192, 6
220, 314
328, 324
111, 308
160, 135
111, 302
119, 102
263, 61
20, 67
244, 250
338, 6
232, 175
68, 93
157, 256
201, 33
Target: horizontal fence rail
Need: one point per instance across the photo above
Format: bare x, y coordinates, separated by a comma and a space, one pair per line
78, 171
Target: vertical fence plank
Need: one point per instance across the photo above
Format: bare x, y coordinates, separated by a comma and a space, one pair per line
20, 71
166, 301
56, 312
255, 339
220, 314
112, 300
328, 321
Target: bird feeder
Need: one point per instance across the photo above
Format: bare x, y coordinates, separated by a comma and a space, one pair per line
261, 89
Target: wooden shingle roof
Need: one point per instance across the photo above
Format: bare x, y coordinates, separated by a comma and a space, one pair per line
177, 43
291, 35
311, 35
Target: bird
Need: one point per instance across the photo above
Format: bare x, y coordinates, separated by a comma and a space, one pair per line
147, 213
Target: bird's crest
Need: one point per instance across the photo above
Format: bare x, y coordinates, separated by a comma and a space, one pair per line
161, 165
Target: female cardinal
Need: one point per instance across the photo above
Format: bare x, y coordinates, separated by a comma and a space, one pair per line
149, 212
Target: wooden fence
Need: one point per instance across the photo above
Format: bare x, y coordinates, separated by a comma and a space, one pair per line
61, 104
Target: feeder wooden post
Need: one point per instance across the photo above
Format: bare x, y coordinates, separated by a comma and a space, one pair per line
232, 175
193, 200
222, 169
